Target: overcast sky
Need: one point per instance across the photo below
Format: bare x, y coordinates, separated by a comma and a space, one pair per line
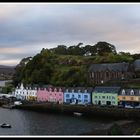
27, 28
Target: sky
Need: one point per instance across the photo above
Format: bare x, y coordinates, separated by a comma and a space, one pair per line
26, 28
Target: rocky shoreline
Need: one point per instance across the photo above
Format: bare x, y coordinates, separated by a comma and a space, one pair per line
128, 128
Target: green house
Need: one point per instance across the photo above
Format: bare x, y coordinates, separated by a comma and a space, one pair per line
105, 95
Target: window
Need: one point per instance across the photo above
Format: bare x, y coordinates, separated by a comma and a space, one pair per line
95, 97
68, 100
103, 97
78, 91
79, 96
67, 95
132, 92
103, 102
113, 97
85, 96
85, 101
123, 92
113, 102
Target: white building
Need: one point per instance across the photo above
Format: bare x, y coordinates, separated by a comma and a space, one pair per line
25, 93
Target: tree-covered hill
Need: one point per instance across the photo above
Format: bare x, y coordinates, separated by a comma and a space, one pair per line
67, 66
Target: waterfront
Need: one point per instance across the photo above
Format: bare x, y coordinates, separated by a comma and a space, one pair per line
35, 123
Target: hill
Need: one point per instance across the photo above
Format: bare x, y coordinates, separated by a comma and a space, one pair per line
67, 66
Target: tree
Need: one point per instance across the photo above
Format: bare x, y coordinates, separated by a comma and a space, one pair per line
104, 47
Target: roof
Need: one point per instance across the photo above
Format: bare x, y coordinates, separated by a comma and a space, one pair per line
128, 92
101, 89
79, 89
137, 64
110, 67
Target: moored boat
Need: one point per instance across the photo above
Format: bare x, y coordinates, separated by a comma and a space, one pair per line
4, 125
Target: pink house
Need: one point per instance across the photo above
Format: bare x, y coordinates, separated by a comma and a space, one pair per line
50, 94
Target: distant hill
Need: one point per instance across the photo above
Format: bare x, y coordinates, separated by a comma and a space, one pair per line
6, 72
10, 67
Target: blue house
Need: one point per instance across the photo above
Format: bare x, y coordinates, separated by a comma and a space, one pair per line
77, 95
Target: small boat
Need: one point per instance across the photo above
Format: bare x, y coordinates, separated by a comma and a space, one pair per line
4, 125
77, 113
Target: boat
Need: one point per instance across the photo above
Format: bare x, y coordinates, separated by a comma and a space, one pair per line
77, 113
8, 106
4, 125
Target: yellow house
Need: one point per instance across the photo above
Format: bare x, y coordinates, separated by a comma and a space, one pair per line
131, 96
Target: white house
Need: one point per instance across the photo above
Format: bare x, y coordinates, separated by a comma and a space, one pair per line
25, 93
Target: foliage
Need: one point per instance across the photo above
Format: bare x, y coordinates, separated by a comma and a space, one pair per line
115, 129
137, 132
66, 66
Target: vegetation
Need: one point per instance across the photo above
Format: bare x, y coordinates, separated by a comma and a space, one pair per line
137, 131
67, 66
115, 129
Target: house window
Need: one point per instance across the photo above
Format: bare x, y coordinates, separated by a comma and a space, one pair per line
85, 96
85, 101
113, 103
79, 101
95, 97
123, 98
79, 96
96, 102
132, 92
103, 102
113, 97
67, 100
123, 92
103, 97
78, 91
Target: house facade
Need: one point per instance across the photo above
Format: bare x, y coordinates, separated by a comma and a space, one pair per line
50, 94
105, 95
129, 97
26, 93
77, 95
101, 73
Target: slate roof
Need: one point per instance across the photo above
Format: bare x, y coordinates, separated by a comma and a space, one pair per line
137, 65
122, 67
101, 89
128, 92
79, 89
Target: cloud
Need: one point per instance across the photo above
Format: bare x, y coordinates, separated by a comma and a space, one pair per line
27, 28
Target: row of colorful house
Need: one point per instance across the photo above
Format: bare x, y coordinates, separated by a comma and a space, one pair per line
79, 95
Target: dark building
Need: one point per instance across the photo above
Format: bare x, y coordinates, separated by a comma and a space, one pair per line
136, 65
101, 73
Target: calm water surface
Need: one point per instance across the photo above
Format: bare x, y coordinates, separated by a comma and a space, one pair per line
34, 123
